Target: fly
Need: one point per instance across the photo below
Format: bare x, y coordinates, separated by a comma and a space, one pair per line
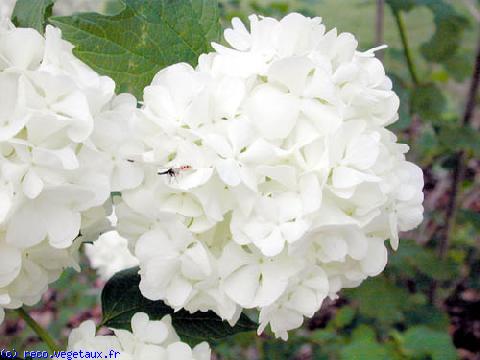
174, 172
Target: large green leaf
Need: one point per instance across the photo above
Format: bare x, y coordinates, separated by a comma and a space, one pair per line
32, 13
148, 35
121, 299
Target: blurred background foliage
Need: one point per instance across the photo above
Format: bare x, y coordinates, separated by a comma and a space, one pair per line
426, 305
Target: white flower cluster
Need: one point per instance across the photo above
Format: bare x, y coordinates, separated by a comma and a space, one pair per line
282, 182
149, 340
54, 183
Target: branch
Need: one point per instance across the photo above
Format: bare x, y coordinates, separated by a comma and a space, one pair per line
459, 161
406, 49
41, 332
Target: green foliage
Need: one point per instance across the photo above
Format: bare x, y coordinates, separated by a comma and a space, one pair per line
413, 259
32, 13
401, 5
121, 299
428, 101
419, 341
455, 138
449, 28
459, 66
469, 217
133, 45
344, 317
379, 299
364, 345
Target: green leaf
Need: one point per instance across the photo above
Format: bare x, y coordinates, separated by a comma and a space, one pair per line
412, 258
460, 66
427, 143
380, 300
469, 217
428, 101
449, 28
147, 36
324, 335
364, 345
121, 299
428, 315
423, 341
455, 138
32, 13
344, 317
401, 5
279, 350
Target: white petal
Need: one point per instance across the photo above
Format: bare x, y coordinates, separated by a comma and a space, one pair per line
5, 205
126, 176
195, 263
294, 230
10, 264
291, 72
273, 112
346, 177
229, 171
273, 283
178, 291
154, 332
32, 184
26, 56
241, 286
63, 226
334, 246
376, 259
25, 236
271, 245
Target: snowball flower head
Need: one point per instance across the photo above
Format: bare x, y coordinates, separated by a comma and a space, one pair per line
54, 181
148, 340
285, 183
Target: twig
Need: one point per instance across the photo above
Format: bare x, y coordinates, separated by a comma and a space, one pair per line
406, 49
379, 26
45, 336
459, 161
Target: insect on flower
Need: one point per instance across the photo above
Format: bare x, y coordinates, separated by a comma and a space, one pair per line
174, 172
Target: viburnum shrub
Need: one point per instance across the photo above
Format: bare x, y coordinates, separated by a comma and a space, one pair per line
263, 177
